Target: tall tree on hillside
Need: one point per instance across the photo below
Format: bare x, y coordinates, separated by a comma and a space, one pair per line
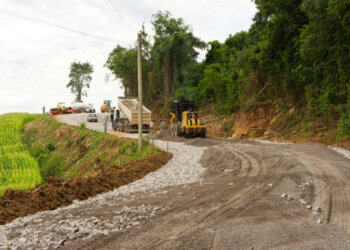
173, 51
80, 78
122, 62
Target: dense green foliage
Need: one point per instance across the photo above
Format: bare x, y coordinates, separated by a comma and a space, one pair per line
164, 64
296, 53
18, 169
80, 78
66, 152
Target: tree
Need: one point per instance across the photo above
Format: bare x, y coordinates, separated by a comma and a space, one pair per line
174, 50
165, 63
80, 78
122, 62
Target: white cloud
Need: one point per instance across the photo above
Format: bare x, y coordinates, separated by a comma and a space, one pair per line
35, 57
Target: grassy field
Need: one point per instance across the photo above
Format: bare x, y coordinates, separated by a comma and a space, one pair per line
67, 152
18, 169
46, 148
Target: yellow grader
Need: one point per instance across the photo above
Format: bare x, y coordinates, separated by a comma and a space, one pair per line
184, 121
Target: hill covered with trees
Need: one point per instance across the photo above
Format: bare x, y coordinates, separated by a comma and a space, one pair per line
295, 55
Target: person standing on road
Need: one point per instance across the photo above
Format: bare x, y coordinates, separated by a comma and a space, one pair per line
43, 110
151, 124
105, 126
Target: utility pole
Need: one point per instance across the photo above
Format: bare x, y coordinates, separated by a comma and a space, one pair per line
139, 72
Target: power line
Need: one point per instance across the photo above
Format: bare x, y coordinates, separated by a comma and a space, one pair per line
120, 14
38, 20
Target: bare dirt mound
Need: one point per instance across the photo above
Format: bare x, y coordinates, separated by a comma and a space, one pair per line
58, 193
194, 141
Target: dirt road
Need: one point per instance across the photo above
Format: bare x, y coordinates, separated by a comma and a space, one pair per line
251, 195
243, 195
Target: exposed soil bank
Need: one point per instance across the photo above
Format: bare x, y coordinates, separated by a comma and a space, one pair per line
269, 122
58, 193
66, 151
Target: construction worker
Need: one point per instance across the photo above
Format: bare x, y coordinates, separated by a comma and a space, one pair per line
151, 124
105, 126
43, 110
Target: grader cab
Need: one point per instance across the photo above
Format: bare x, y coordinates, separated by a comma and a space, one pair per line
184, 121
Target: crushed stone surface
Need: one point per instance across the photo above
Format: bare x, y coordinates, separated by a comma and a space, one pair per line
213, 194
54, 228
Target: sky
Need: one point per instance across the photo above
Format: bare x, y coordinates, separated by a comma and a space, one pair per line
40, 39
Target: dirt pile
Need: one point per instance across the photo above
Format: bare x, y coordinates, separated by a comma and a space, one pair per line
58, 193
196, 141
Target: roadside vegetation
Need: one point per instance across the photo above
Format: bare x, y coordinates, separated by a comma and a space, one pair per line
33, 148
65, 152
18, 168
293, 59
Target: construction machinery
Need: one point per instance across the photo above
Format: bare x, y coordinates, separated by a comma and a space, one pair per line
184, 121
90, 109
61, 109
79, 107
106, 106
125, 117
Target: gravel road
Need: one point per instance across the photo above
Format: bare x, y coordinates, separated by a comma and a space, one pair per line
213, 194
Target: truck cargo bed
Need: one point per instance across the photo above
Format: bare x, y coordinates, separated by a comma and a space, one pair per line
129, 108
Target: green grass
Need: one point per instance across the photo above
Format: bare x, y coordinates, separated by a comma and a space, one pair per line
77, 151
28, 157
18, 169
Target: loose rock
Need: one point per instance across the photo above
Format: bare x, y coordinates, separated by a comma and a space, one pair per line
302, 201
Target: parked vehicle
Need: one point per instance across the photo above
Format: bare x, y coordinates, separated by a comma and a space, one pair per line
92, 118
91, 109
61, 109
79, 107
125, 117
106, 106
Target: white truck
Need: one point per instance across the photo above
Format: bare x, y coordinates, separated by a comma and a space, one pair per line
125, 117
79, 107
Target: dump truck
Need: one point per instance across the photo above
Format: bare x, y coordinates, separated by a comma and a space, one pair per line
106, 106
125, 117
185, 121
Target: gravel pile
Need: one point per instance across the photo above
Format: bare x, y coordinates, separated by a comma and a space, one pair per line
40, 231
54, 228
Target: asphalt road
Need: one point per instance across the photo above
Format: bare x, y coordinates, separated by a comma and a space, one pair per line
77, 119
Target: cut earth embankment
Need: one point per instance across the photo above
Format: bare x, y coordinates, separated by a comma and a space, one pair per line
78, 164
58, 193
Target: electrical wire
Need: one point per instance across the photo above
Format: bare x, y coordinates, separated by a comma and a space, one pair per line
38, 20
120, 14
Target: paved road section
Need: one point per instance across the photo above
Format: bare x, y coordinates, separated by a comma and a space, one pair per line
77, 119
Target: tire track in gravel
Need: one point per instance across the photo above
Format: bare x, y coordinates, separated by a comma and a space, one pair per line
235, 200
333, 195
238, 204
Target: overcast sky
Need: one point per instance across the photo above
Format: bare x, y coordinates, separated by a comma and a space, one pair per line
37, 44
